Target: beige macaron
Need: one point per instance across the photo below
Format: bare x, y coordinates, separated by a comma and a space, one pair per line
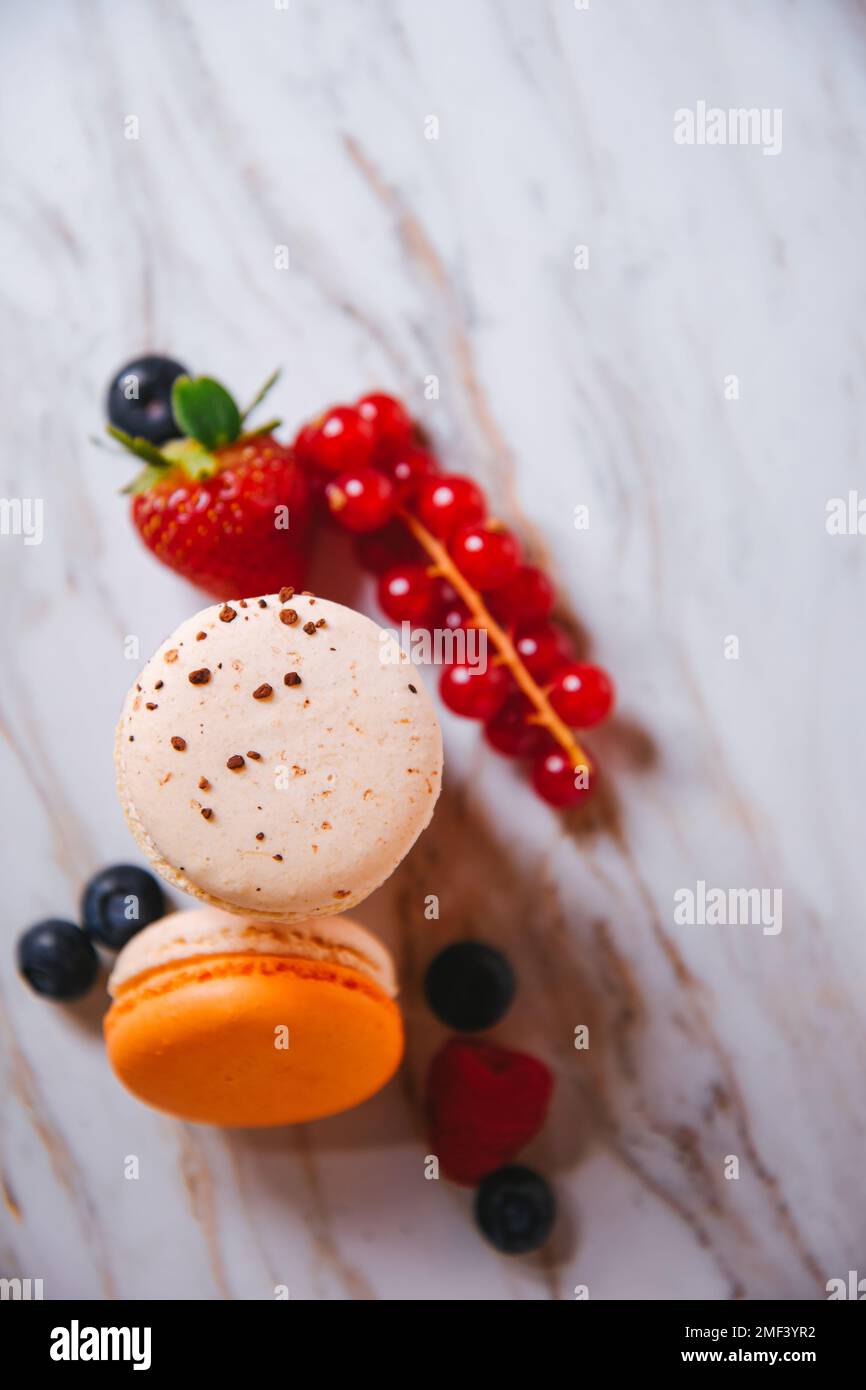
187, 936
278, 757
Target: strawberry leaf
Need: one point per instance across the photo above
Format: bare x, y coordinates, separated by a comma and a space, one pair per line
185, 455
205, 411
267, 428
142, 448
261, 393
145, 480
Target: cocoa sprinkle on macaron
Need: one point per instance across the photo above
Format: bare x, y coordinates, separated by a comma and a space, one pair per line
286, 593
260, 835
200, 677
310, 629
279, 857
227, 614
288, 616
262, 603
263, 692
158, 685
206, 812
200, 636
178, 743
203, 784
291, 678
256, 757
235, 761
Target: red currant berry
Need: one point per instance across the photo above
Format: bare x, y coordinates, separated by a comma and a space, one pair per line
445, 504
541, 647
407, 469
392, 426
382, 550
486, 555
557, 782
304, 445
449, 610
527, 598
317, 478
475, 692
362, 500
581, 694
510, 733
406, 593
343, 439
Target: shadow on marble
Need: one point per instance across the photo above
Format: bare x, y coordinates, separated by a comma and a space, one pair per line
554, 994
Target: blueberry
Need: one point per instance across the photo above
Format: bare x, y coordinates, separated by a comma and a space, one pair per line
118, 902
515, 1209
57, 959
139, 398
469, 986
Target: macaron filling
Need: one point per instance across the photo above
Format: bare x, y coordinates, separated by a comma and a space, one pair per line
192, 938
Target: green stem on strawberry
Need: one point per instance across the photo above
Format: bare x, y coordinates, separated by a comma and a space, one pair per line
208, 419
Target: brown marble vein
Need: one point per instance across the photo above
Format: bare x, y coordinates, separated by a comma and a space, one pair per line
25, 1086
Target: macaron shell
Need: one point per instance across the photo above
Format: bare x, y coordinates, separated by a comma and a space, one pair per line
206, 931
202, 1041
348, 768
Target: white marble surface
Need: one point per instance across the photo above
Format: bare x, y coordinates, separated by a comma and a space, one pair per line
559, 387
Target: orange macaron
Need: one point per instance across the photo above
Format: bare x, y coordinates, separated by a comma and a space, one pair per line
228, 1021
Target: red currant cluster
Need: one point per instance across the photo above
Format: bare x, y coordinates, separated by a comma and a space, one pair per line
443, 563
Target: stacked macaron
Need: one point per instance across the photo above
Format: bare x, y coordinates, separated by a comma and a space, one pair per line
230, 1020
276, 758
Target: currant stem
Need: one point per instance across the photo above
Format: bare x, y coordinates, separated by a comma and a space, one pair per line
546, 715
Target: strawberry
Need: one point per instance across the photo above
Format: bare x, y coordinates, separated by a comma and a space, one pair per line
484, 1104
226, 508
219, 530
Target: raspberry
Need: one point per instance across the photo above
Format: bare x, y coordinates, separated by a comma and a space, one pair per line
484, 1104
